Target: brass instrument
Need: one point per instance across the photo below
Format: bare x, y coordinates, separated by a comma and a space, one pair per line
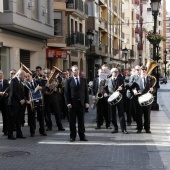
52, 81
99, 94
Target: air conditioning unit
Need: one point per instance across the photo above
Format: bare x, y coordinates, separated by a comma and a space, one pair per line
30, 4
44, 11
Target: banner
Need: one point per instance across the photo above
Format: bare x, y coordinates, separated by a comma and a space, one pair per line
56, 53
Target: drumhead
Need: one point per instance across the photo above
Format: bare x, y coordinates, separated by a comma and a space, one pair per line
113, 96
145, 97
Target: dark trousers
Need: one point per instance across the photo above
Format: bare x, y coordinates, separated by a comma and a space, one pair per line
76, 111
128, 110
102, 112
4, 110
32, 120
120, 108
53, 105
14, 120
142, 110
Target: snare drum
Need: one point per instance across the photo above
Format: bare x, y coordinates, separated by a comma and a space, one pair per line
36, 99
115, 98
145, 99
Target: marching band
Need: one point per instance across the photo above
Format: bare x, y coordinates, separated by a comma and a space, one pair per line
65, 94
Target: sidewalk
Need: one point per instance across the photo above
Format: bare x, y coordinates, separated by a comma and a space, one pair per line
103, 151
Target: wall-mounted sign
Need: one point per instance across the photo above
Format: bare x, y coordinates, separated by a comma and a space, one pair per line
56, 53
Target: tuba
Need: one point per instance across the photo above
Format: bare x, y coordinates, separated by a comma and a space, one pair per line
53, 82
147, 98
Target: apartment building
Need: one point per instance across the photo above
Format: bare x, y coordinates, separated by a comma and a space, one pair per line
131, 31
105, 20
24, 27
68, 46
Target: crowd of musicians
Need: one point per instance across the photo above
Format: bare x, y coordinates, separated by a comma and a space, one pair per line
68, 98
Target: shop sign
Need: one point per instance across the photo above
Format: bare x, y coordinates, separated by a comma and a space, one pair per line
55, 53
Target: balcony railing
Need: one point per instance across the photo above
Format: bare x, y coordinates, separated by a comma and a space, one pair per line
132, 53
79, 5
115, 8
76, 38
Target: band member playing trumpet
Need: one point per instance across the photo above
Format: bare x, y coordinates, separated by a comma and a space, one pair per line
116, 83
145, 84
15, 102
31, 85
4, 101
38, 74
102, 104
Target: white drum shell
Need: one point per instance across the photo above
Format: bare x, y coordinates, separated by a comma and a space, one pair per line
145, 99
115, 98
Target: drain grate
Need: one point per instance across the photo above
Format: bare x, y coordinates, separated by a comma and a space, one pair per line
15, 153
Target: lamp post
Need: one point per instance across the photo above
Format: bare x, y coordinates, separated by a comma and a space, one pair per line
90, 59
140, 59
165, 62
155, 5
125, 50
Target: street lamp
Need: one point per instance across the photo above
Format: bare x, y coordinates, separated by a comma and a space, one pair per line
140, 59
125, 50
155, 5
90, 58
90, 36
165, 62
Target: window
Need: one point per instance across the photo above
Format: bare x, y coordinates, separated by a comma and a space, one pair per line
20, 5
6, 5
58, 23
35, 9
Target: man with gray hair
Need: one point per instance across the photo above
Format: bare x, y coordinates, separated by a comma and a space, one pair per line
16, 100
116, 83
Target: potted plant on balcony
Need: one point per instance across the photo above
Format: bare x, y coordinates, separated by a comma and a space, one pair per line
154, 38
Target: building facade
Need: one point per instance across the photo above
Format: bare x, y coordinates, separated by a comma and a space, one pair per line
24, 27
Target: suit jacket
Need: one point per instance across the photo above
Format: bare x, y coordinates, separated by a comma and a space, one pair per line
16, 92
5, 85
96, 87
149, 83
113, 87
73, 94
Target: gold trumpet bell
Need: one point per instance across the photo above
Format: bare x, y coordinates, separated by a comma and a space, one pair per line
23, 67
151, 64
55, 74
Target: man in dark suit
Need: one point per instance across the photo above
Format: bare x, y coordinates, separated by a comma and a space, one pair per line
77, 99
102, 105
31, 84
116, 83
4, 101
16, 100
145, 84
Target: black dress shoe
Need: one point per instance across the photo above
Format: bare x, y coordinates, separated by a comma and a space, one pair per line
139, 131
48, 129
32, 135
11, 138
21, 137
115, 131
98, 127
148, 131
83, 139
72, 140
124, 132
5, 133
43, 134
61, 129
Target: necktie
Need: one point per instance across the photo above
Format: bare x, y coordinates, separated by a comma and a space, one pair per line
144, 82
113, 82
0, 85
32, 85
78, 84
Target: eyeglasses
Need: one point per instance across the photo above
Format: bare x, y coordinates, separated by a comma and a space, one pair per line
144, 69
137, 69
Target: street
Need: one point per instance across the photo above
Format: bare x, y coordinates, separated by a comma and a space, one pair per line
103, 151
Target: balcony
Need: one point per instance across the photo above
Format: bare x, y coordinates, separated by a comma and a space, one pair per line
78, 8
75, 39
23, 24
99, 50
101, 2
102, 23
132, 53
115, 31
